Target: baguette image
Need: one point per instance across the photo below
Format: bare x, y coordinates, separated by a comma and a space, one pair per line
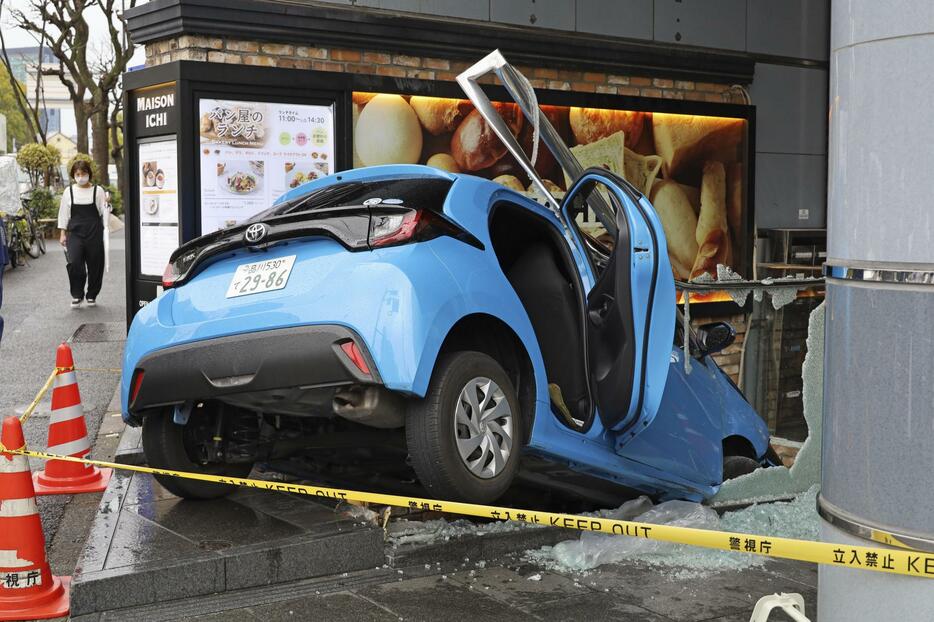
683, 139
734, 199
712, 234
680, 225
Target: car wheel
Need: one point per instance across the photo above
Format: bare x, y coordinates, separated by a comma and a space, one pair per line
170, 446
736, 466
464, 437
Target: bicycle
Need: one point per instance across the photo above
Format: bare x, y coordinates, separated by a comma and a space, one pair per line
21, 238
35, 232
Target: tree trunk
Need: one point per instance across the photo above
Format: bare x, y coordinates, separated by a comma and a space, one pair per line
117, 154
100, 146
81, 120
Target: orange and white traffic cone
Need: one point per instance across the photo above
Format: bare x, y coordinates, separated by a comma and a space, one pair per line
68, 436
28, 591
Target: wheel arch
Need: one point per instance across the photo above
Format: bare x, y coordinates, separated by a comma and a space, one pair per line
737, 445
490, 335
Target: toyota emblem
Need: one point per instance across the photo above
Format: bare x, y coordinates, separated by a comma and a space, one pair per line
255, 233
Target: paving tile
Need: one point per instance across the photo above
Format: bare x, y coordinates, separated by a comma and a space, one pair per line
802, 572
144, 488
234, 615
155, 582
137, 540
685, 600
752, 584
434, 598
332, 607
215, 521
595, 607
308, 556
516, 589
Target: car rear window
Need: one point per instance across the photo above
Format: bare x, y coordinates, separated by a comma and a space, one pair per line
414, 193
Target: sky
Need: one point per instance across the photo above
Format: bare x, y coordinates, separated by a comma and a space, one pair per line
17, 37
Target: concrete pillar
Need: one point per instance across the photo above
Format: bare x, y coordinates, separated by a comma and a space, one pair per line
878, 445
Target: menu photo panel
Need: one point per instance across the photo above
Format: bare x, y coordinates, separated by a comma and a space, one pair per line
253, 152
158, 204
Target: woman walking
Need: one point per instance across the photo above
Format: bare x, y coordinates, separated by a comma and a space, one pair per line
83, 218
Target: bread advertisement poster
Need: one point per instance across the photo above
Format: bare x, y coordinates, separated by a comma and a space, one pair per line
253, 152
692, 168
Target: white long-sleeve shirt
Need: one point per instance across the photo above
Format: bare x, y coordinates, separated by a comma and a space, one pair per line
83, 196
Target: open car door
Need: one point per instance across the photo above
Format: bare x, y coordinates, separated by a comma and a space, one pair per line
631, 308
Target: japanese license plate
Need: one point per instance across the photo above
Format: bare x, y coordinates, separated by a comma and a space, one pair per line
261, 276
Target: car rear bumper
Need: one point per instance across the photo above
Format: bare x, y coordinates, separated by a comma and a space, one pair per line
255, 368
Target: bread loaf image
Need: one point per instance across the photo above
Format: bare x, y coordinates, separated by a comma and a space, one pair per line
439, 115
591, 124
388, 132
475, 146
443, 161
712, 234
612, 154
608, 153
679, 223
682, 140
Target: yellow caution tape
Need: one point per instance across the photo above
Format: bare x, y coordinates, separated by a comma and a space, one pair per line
48, 385
109, 370
35, 402
911, 563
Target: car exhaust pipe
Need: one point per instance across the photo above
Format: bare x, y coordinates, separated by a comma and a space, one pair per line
370, 405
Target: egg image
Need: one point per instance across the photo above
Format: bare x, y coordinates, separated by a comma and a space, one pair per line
388, 132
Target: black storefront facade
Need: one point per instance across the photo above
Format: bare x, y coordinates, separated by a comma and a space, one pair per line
214, 68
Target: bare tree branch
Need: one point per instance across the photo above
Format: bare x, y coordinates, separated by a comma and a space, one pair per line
30, 113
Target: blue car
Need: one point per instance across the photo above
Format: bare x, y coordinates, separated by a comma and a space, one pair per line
465, 320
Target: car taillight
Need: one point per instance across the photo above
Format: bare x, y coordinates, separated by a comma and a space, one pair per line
394, 227
355, 356
137, 384
177, 269
390, 228
169, 276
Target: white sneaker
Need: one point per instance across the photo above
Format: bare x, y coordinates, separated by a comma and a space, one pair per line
75, 303
92, 302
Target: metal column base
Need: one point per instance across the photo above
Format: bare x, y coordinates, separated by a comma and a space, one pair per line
847, 595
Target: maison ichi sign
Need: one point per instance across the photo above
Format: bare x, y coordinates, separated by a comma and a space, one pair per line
155, 110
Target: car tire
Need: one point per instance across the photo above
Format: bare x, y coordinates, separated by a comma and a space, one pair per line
737, 466
164, 446
438, 433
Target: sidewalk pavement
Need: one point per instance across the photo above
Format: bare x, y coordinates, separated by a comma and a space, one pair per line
38, 317
506, 589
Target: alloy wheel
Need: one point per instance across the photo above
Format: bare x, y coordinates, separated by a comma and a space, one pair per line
483, 427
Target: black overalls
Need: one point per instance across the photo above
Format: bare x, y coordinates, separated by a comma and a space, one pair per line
85, 247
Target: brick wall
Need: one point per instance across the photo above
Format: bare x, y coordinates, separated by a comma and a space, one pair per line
359, 60
729, 358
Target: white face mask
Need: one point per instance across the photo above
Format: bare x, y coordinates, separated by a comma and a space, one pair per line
82, 180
